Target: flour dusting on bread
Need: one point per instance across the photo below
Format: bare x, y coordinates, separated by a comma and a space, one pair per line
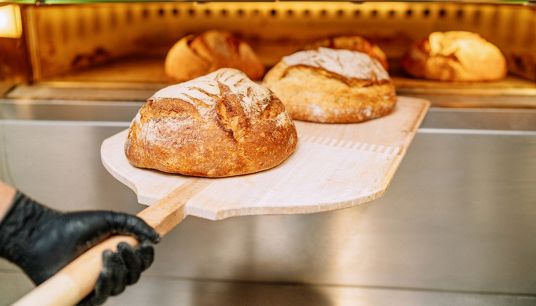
346, 63
283, 119
253, 97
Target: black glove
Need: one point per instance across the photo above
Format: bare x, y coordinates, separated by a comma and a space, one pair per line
41, 241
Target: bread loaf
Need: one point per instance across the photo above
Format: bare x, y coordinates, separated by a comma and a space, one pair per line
455, 56
197, 55
221, 124
332, 86
353, 43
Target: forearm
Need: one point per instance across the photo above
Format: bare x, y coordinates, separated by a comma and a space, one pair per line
6, 198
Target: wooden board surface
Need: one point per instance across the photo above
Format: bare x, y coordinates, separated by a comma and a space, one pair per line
335, 166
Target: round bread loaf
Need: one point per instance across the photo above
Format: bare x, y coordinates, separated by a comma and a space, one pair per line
332, 86
353, 43
455, 56
196, 55
221, 124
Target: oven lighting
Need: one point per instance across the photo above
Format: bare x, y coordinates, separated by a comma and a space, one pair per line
10, 22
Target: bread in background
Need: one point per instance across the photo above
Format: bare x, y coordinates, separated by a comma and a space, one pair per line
221, 124
353, 43
455, 56
196, 55
332, 86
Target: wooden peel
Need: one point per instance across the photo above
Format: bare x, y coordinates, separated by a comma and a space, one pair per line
76, 280
335, 166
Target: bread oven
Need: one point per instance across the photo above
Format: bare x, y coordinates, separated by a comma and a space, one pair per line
125, 43
457, 221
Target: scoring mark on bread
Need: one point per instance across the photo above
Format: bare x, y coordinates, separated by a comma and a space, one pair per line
198, 102
208, 94
346, 63
190, 39
230, 114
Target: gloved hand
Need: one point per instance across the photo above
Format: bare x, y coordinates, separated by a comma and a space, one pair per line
41, 241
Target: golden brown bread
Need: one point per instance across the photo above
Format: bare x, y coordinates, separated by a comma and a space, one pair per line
353, 43
455, 56
196, 55
221, 124
332, 86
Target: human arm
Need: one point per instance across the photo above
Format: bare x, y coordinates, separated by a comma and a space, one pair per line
6, 198
41, 241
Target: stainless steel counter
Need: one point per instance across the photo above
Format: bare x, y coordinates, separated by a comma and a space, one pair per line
155, 290
456, 226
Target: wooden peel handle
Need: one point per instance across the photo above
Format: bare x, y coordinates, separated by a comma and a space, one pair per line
76, 280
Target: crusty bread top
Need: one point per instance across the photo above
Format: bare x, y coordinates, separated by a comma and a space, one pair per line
353, 43
447, 43
196, 55
345, 63
458, 55
204, 92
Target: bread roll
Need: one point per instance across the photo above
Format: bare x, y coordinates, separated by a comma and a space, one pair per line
455, 56
197, 55
332, 86
221, 124
353, 43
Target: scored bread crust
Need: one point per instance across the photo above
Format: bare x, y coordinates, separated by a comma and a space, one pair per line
455, 56
196, 55
353, 43
218, 125
332, 86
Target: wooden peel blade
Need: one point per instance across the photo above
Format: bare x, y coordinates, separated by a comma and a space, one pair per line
76, 280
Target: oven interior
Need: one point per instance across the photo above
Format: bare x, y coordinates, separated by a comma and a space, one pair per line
119, 48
